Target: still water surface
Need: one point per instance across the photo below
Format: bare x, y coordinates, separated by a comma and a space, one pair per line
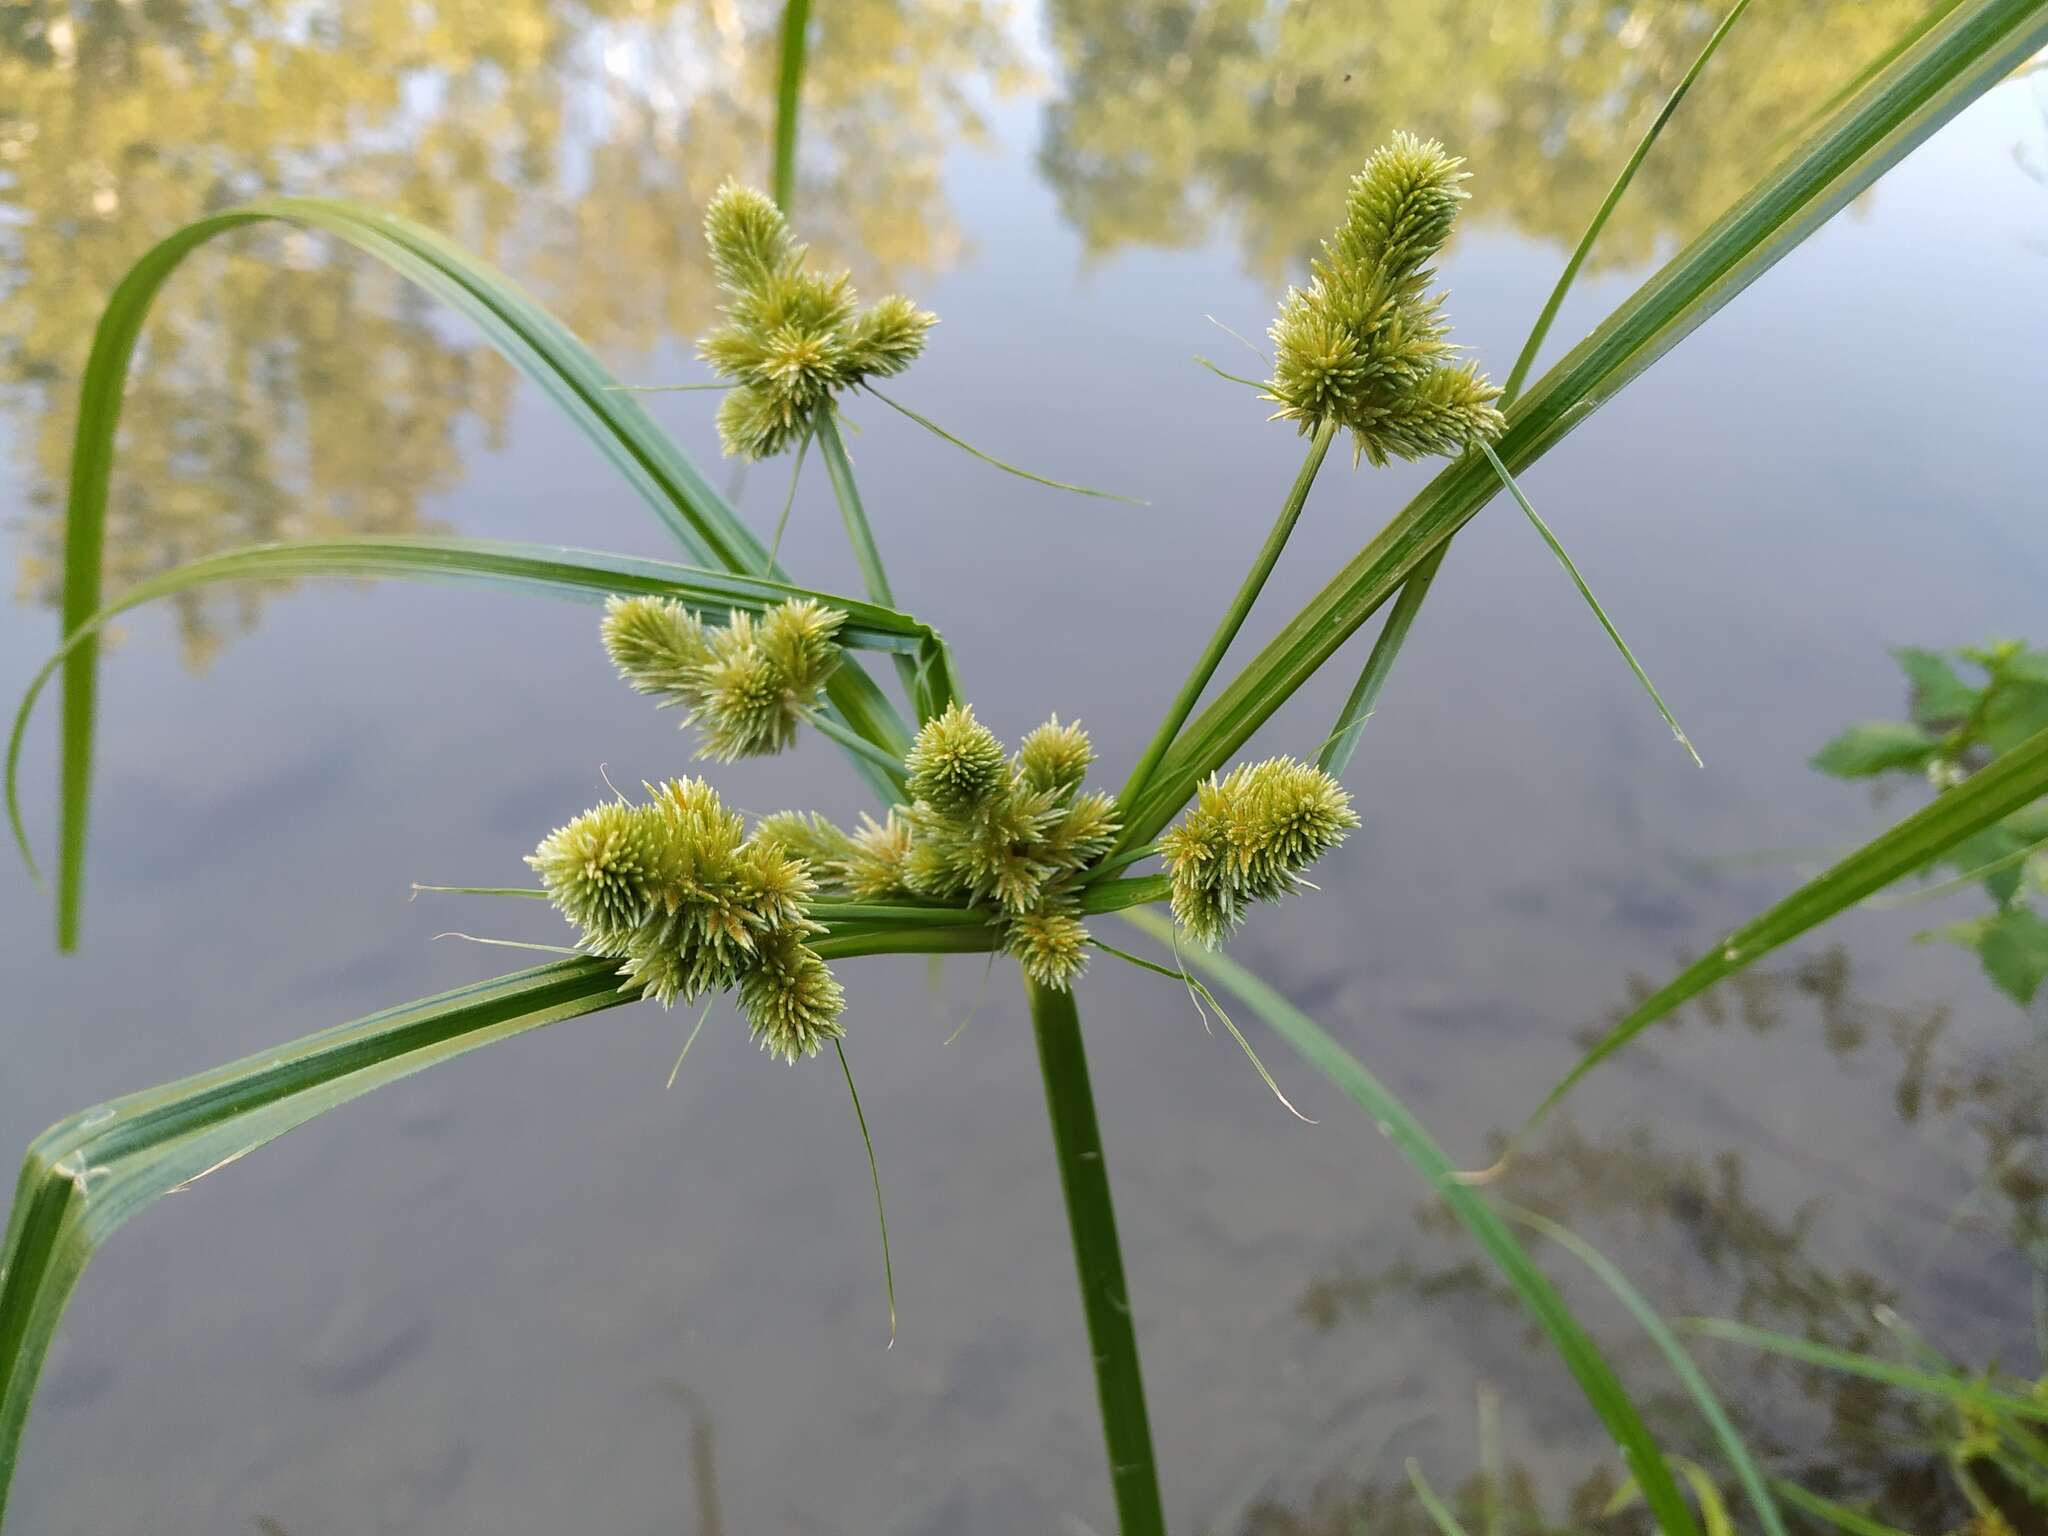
537, 1292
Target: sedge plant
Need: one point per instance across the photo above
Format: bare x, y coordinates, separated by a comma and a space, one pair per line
972, 846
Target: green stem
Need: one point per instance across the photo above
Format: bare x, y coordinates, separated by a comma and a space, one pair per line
832, 449
1091, 1221
796, 23
1233, 619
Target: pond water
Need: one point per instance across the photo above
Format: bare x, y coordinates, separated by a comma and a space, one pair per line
536, 1290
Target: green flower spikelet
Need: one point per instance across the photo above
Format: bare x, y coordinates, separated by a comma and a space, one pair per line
676, 890
1009, 836
1247, 838
748, 684
793, 339
1365, 345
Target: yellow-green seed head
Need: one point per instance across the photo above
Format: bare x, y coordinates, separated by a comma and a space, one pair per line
1055, 756
748, 683
1051, 945
956, 762
1365, 345
601, 870
876, 864
790, 998
653, 642
1247, 838
792, 339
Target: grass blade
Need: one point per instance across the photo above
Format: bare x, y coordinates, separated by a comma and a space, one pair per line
1342, 743
535, 342
1581, 1356
1973, 47
2015, 779
1336, 756
874, 1172
558, 572
1592, 602
87, 1175
1105, 1298
988, 458
1957, 1389
1584, 248
1681, 1363
789, 88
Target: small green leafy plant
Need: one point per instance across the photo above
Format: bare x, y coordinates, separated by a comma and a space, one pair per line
1960, 725
976, 849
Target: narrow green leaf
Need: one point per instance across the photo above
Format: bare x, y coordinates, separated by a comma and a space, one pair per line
789, 89
535, 342
1336, 752
875, 1173
1953, 1388
1592, 602
557, 572
796, 473
988, 458
1607, 205
87, 1175
1336, 755
1681, 1364
1580, 1355
1972, 48
2012, 781
1875, 746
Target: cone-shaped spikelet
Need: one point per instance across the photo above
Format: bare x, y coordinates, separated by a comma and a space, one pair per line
1365, 344
956, 761
1051, 945
792, 339
1247, 839
675, 890
790, 998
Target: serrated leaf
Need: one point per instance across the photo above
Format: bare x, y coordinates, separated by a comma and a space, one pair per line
1939, 696
2015, 712
1875, 746
2013, 947
1992, 849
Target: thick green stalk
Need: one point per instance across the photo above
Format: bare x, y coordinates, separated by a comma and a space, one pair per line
1091, 1222
832, 449
1233, 618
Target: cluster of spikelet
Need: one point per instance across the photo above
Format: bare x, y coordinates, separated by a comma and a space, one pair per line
748, 683
1247, 839
1008, 835
1365, 345
676, 890
792, 339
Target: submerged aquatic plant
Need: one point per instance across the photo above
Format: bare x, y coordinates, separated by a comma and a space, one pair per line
793, 339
